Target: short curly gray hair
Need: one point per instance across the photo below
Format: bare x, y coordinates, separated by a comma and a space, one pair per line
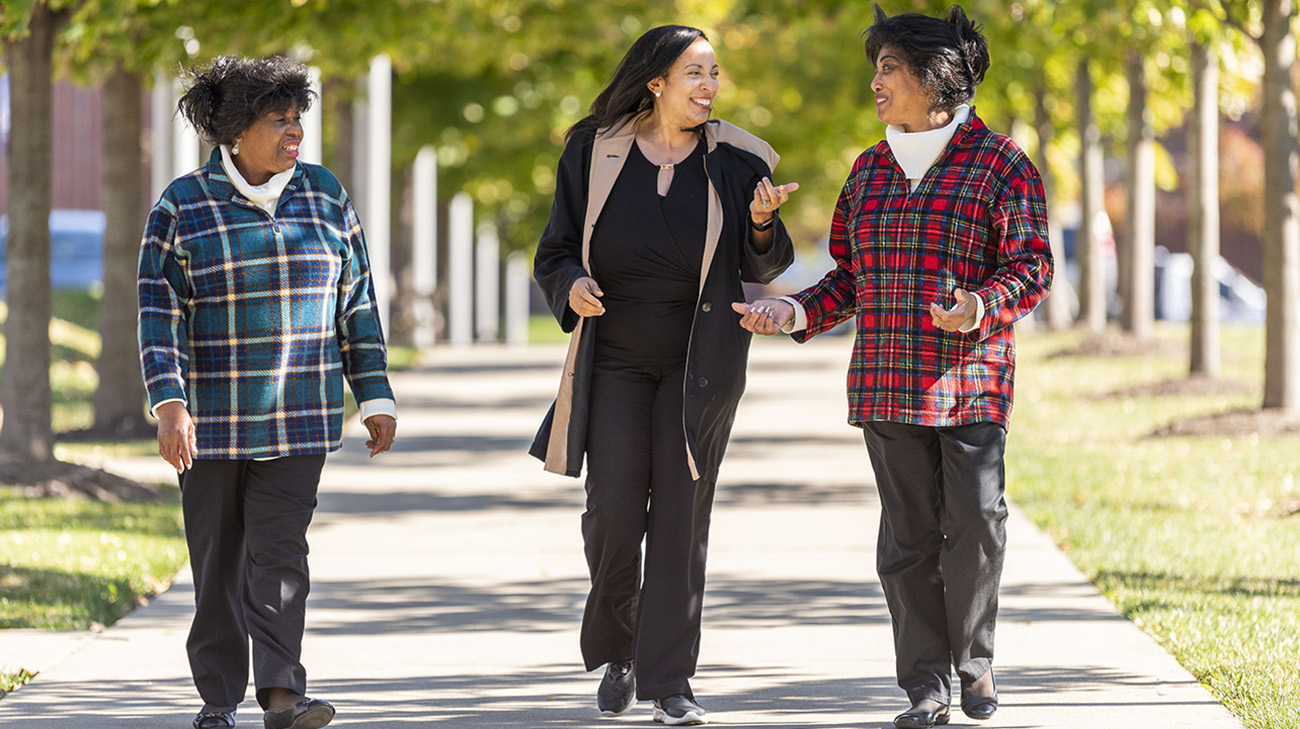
226, 96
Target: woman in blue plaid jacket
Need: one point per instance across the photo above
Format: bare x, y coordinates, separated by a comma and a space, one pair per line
256, 304
940, 244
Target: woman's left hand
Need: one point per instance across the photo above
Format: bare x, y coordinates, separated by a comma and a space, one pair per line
382, 430
769, 197
960, 316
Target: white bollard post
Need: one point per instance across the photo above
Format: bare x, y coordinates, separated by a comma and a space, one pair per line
379, 162
460, 264
487, 286
185, 140
424, 256
311, 149
163, 104
517, 286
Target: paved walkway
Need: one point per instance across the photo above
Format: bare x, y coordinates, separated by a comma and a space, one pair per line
449, 582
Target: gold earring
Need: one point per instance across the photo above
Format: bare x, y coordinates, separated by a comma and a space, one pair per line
234, 149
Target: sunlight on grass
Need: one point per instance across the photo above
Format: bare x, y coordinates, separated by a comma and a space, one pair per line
71, 564
1196, 539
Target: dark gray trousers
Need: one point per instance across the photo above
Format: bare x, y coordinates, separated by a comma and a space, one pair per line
940, 549
639, 486
246, 526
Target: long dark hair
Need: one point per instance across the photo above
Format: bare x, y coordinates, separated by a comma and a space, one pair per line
948, 55
227, 95
650, 57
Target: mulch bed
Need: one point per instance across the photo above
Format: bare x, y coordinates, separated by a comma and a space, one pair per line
62, 480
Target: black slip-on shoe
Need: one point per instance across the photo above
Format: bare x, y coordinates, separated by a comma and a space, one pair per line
214, 720
979, 708
306, 714
617, 692
916, 718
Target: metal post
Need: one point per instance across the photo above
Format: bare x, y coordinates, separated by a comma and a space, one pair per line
310, 150
424, 257
160, 128
487, 285
517, 288
460, 262
185, 140
378, 163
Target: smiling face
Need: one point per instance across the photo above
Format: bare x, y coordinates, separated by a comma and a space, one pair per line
687, 91
269, 146
901, 101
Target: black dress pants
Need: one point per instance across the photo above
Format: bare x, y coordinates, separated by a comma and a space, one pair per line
941, 546
639, 486
246, 526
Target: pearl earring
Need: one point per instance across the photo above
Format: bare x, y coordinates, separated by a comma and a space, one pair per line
656, 94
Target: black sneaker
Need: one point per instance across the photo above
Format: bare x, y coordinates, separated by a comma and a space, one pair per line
679, 710
617, 692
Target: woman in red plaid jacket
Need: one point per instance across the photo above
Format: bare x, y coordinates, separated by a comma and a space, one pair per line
940, 245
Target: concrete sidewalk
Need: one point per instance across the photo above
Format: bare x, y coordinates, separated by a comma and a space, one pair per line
448, 583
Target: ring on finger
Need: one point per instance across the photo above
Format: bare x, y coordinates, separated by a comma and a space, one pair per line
765, 203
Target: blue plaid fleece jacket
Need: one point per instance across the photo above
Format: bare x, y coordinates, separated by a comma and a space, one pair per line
254, 321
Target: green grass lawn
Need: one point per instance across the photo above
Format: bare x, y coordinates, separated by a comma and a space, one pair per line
74, 564
1195, 539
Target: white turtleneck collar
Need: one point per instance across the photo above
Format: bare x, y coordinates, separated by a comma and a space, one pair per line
916, 152
265, 196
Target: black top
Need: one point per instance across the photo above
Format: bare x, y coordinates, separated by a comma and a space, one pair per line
715, 365
646, 254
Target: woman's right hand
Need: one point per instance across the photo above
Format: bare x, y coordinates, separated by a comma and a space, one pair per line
584, 297
764, 316
177, 442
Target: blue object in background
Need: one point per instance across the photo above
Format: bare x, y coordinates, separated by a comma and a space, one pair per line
76, 249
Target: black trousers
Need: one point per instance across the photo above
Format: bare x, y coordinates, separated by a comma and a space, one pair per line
246, 526
941, 546
639, 486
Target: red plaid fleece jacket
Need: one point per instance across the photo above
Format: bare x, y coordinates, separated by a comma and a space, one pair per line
978, 221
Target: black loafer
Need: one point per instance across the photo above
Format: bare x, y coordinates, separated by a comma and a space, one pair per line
214, 720
306, 714
979, 707
915, 718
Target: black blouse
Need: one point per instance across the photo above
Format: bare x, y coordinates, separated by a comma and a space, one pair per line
646, 254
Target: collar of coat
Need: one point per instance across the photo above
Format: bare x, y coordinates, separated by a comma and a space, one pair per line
610, 151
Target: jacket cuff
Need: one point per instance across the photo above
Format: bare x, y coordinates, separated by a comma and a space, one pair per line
378, 406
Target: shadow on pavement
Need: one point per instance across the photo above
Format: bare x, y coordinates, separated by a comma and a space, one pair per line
417, 607
406, 503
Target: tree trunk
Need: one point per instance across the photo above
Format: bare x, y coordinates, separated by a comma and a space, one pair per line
119, 397
1061, 297
1203, 211
1088, 251
1138, 273
25, 391
1281, 212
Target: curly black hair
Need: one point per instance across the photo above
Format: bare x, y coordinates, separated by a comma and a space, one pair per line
226, 96
949, 55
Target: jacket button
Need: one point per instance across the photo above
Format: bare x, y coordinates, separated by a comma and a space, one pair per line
702, 382
707, 307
